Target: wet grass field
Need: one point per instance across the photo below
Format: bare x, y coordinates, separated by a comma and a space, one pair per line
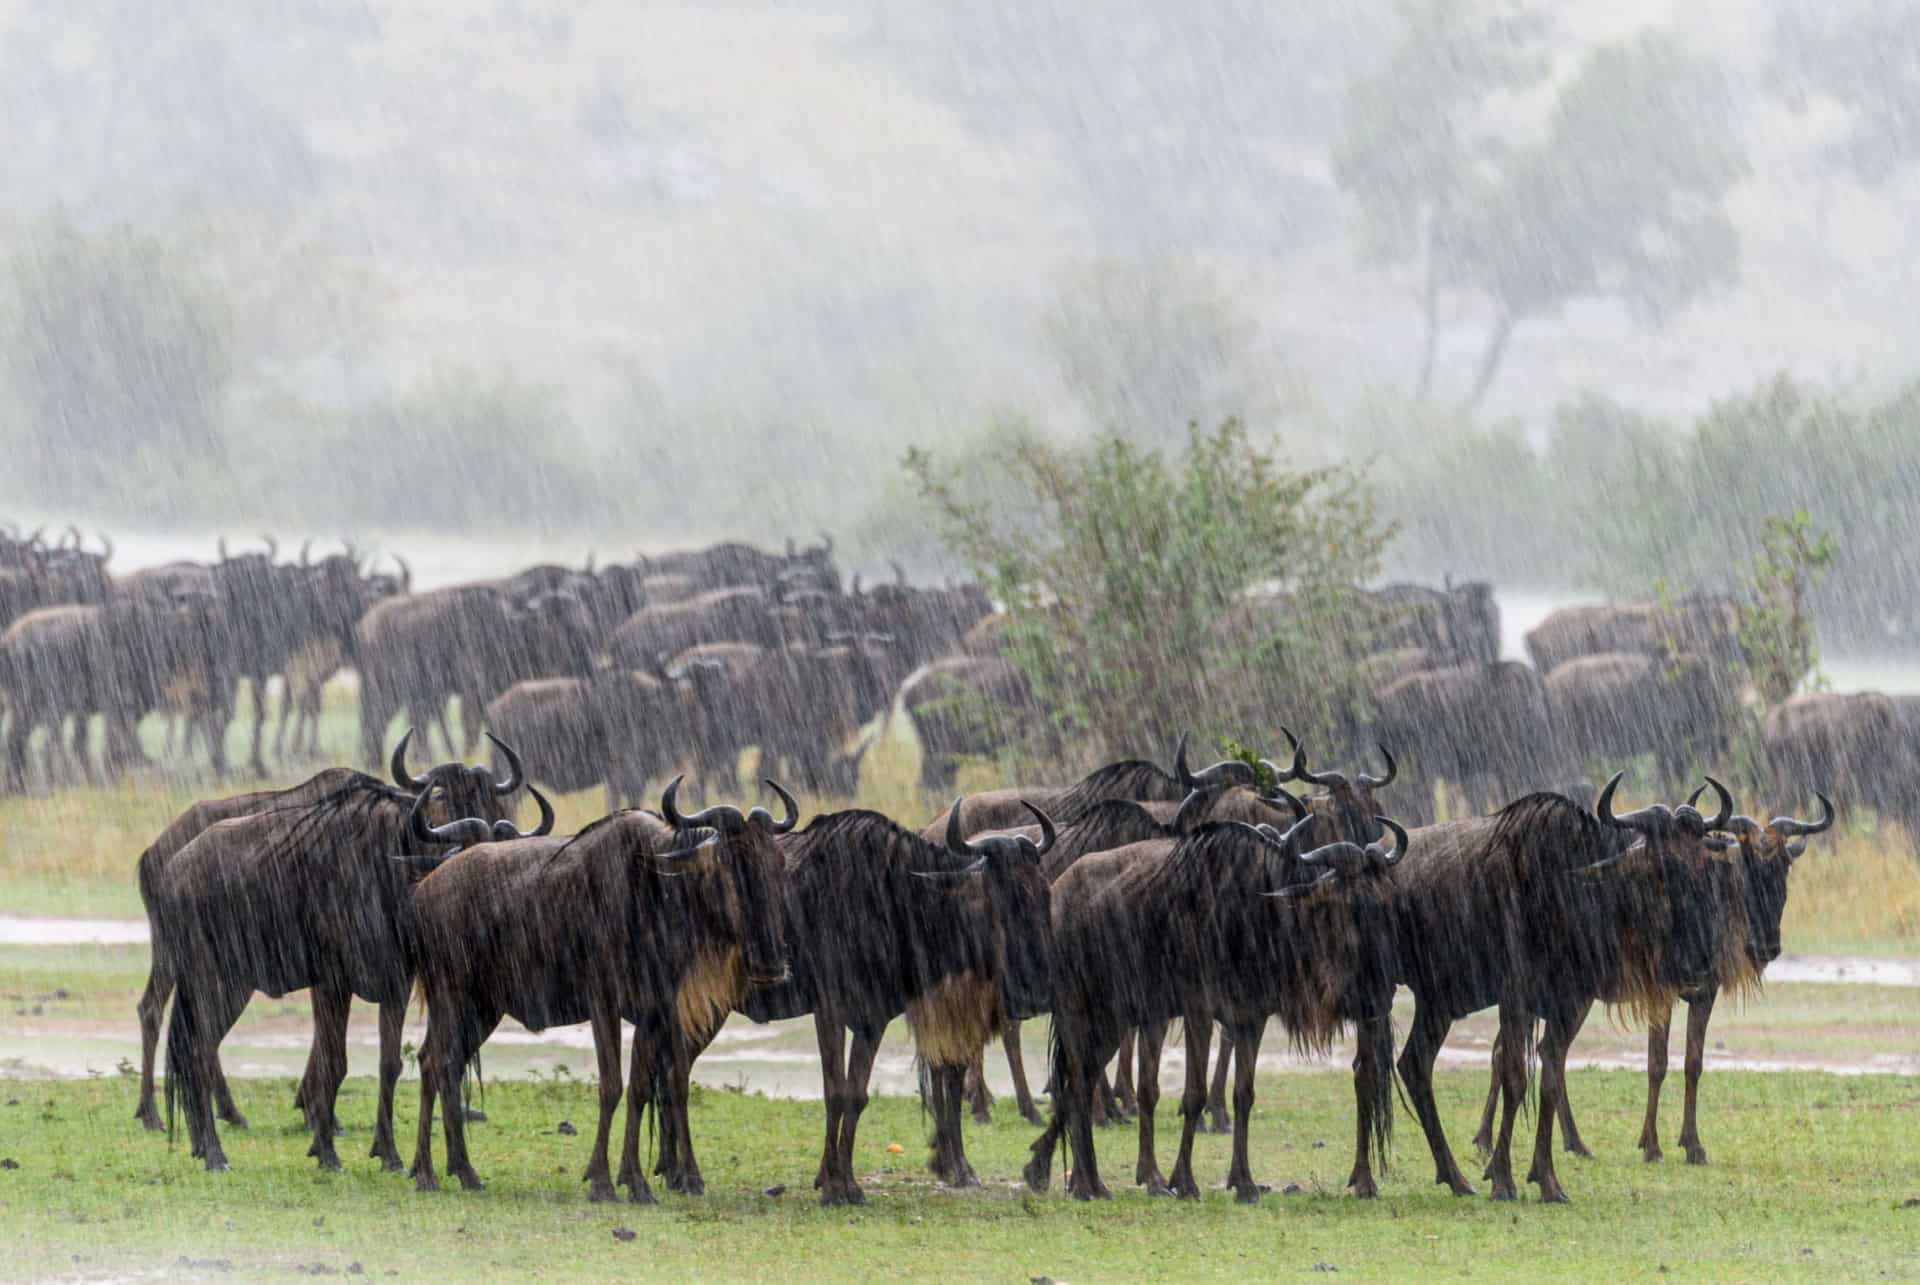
1813, 1177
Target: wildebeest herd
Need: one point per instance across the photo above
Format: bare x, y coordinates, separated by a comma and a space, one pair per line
1115, 904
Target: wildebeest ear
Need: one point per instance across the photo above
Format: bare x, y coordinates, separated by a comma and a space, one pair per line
681, 861
976, 867
1299, 889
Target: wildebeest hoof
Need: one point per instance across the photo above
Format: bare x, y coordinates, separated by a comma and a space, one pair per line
1032, 1116
640, 1194
962, 1175
1157, 1186
601, 1190
688, 1184
1247, 1193
217, 1163
471, 1181
1362, 1186
1220, 1124
425, 1182
982, 1116
234, 1119
1459, 1186
1550, 1193
1579, 1148
389, 1163
1652, 1155
329, 1161
1696, 1155
1038, 1176
1502, 1191
1186, 1189
150, 1122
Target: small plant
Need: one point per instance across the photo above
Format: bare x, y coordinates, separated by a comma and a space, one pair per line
1776, 623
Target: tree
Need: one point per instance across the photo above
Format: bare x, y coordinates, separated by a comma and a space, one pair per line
1776, 623
116, 342
1147, 346
1119, 592
1416, 152
1622, 198
1863, 56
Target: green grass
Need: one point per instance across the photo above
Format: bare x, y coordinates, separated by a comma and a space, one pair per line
1809, 1179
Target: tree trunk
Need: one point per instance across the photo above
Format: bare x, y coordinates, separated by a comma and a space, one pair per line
1490, 359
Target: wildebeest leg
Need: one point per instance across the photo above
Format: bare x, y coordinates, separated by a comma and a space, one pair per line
1146, 1169
393, 1016
1553, 1089
1416, 1074
629, 1173
422, 1168
1510, 1064
1699, 1013
453, 1117
866, 1046
1081, 1067
255, 764
1570, 1135
1017, 1068
1483, 1137
1220, 1122
949, 1147
979, 1097
153, 1004
1193, 1102
207, 1026
832, 1037
19, 728
683, 1175
328, 1066
1372, 1098
606, 1052
1658, 1025
374, 714
1246, 1056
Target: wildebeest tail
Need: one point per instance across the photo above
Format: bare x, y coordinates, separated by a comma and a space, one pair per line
181, 1074
1386, 1082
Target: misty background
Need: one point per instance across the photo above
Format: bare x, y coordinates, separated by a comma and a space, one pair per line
1589, 288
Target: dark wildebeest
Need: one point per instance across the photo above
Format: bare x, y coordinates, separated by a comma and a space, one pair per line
327, 600
1482, 727
881, 922
1457, 625
665, 921
416, 650
1138, 780
1749, 890
1851, 741
741, 614
1214, 927
617, 728
1620, 705
307, 897
1539, 910
1693, 624
183, 829
259, 609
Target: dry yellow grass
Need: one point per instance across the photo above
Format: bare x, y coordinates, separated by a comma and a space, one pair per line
1856, 890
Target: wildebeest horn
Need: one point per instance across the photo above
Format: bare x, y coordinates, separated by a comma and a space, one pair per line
1726, 804
273, 547
106, 547
1299, 889
221, 545
957, 841
899, 573
506, 829
1792, 828
764, 819
826, 542
721, 813
1188, 812
398, 766
1649, 818
1347, 858
1046, 827
78, 539
1331, 780
855, 590
306, 550
589, 570
1375, 782
1399, 832
516, 774
463, 833
793, 549
1294, 803
1226, 770
406, 574
668, 812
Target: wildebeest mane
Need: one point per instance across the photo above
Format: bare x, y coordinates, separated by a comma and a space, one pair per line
1127, 779
868, 832
358, 797
1545, 827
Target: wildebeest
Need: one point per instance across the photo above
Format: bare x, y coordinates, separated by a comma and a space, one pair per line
1483, 727
1204, 928
1853, 742
880, 922
1539, 910
964, 707
740, 614
1699, 624
664, 921
306, 897
416, 650
1748, 887
1619, 704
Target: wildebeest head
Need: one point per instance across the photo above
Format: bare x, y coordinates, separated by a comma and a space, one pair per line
1766, 856
738, 850
1225, 772
1019, 907
1659, 918
458, 803
1348, 809
1340, 898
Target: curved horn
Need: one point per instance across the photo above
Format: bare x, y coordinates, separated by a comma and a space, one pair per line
306, 553
1299, 763
106, 547
1726, 804
1047, 835
826, 542
764, 819
507, 830
273, 547
221, 545
899, 573
1791, 828
1399, 843
1180, 772
1188, 813
1299, 889
78, 539
516, 773
956, 841
1375, 782
464, 833
669, 813
1645, 819
398, 766
720, 813
1347, 858
406, 574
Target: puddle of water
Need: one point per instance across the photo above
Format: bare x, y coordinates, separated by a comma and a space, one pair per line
19, 930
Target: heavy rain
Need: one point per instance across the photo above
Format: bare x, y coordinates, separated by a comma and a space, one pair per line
787, 613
